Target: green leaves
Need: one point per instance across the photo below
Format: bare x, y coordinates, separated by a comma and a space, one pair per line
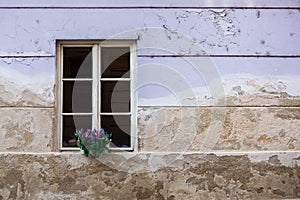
93, 142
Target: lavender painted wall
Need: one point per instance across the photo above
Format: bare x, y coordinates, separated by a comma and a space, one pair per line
233, 37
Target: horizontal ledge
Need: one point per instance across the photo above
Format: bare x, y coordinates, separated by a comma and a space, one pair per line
75, 151
162, 106
219, 56
109, 4
113, 149
167, 56
69, 149
216, 152
119, 7
224, 106
27, 107
26, 56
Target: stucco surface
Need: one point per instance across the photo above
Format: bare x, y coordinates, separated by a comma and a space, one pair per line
27, 82
149, 4
196, 81
179, 129
26, 130
159, 31
193, 176
187, 129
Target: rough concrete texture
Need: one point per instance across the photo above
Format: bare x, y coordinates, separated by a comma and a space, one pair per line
26, 130
225, 129
72, 176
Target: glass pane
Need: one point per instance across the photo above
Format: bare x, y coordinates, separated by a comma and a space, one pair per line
77, 96
77, 62
115, 62
70, 124
119, 126
115, 96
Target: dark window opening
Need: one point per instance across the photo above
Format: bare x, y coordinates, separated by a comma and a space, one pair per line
77, 97
70, 123
115, 96
77, 62
115, 62
119, 126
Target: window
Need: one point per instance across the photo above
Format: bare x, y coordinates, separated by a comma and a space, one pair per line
95, 90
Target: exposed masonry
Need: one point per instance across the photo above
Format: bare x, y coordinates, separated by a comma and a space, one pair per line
175, 129
170, 176
27, 129
195, 129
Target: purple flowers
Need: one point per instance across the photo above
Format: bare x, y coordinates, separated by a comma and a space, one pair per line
93, 142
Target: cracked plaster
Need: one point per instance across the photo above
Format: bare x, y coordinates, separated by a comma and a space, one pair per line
214, 31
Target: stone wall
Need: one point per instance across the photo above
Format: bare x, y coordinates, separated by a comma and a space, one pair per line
218, 100
168, 176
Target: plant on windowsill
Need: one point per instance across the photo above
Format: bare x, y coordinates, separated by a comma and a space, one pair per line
93, 142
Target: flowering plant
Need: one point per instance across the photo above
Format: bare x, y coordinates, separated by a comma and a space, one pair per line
93, 142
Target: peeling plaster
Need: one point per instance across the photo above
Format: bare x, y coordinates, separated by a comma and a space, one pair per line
27, 82
26, 130
240, 89
202, 176
216, 31
196, 129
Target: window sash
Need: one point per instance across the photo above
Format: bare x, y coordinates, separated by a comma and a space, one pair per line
96, 90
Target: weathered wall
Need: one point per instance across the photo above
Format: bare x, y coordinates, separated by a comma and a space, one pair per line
190, 176
228, 84
231, 129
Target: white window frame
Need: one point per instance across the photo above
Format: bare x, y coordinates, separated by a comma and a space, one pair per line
96, 98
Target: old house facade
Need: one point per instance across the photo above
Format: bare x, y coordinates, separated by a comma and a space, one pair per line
202, 98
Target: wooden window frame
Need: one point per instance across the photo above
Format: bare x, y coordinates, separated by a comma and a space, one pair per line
96, 90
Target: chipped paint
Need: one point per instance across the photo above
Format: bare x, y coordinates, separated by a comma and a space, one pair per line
223, 32
27, 82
